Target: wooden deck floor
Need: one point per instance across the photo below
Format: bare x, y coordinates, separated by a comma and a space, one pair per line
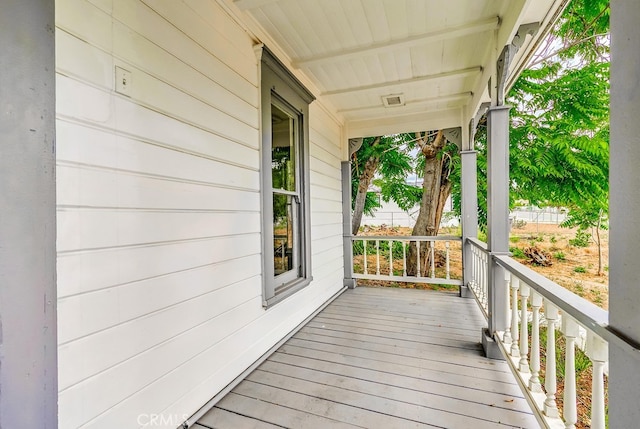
380, 358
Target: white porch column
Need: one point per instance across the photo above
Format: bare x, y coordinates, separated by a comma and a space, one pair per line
497, 219
624, 180
469, 202
28, 341
347, 248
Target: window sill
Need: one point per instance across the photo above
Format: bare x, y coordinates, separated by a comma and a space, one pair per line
286, 291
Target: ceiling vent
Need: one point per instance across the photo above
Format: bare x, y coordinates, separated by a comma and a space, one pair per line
393, 100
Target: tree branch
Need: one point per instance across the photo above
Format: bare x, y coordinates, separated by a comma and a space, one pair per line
564, 48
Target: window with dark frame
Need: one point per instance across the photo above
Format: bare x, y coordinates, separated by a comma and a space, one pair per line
285, 181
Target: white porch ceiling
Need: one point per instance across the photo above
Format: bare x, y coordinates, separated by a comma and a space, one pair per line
437, 54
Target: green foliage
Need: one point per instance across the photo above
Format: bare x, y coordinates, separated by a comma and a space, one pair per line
585, 23
559, 133
517, 253
404, 195
514, 239
579, 269
358, 248
559, 142
383, 245
582, 239
384, 249
392, 161
560, 256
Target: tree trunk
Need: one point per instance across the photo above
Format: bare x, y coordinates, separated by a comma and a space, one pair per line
365, 179
436, 190
599, 243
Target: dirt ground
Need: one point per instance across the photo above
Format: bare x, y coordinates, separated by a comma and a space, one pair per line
575, 268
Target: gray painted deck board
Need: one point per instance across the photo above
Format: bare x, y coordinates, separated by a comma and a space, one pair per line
380, 358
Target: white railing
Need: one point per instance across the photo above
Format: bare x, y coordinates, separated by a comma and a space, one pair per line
545, 304
385, 258
536, 306
479, 281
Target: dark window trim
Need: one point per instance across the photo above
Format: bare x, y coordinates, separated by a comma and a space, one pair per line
278, 82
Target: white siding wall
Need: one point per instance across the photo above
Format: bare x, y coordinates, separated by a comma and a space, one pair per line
159, 211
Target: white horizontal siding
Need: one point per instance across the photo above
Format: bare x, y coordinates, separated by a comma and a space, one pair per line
321, 259
159, 245
83, 230
325, 193
87, 271
144, 297
156, 129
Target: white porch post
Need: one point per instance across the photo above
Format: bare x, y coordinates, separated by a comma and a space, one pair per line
347, 247
497, 220
28, 339
469, 202
624, 180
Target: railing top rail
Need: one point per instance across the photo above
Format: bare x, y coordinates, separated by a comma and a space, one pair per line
408, 237
586, 313
480, 244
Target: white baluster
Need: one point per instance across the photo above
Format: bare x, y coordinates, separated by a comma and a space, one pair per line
378, 257
597, 350
550, 406
481, 277
404, 258
433, 259
569, 408
485, 281
364, 242
418, 257
524, 329
480, 285
446, 245
474, 270
515, 344
390, 257
507, 339
534, 381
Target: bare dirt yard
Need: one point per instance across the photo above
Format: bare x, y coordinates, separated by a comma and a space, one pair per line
573, 266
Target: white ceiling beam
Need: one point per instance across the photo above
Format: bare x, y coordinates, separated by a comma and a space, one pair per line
420, 121
511, 21
411, 104
252, 4
393, 45
421, 79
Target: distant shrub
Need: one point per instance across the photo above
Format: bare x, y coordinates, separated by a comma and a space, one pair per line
579, 270
517, 253
518, 223
514, 239
582, 239
358, 248
560, 256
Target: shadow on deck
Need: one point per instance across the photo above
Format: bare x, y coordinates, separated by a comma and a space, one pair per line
380, 358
